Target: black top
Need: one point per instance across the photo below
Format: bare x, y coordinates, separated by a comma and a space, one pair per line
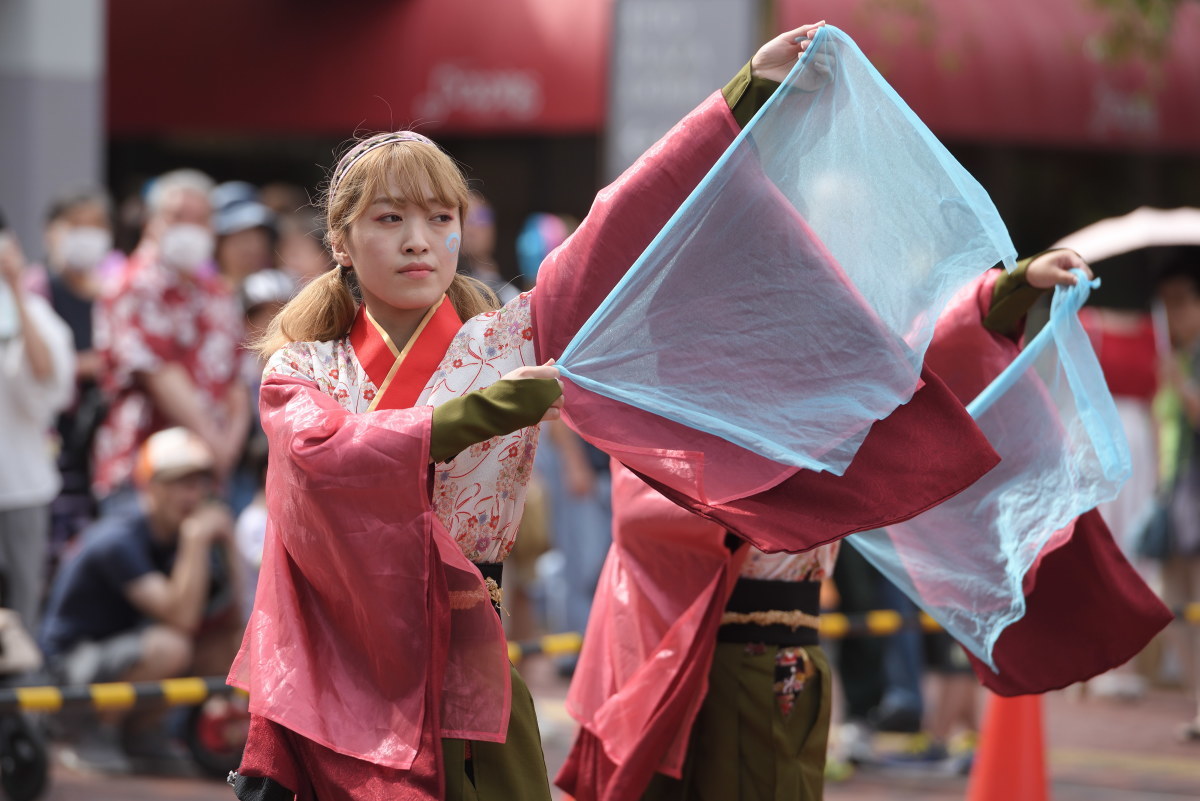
87, 599
75, 311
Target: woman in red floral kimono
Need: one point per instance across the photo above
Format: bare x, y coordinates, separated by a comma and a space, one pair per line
401, 443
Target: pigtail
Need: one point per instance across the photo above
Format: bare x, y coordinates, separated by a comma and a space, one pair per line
324, 310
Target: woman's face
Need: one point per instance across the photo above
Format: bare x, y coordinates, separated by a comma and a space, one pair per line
404, 254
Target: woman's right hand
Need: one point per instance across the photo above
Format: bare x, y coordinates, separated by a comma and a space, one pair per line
547, 370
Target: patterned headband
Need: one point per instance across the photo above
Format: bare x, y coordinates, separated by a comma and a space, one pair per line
366, 146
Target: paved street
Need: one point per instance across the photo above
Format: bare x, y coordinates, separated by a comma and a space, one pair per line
1099, 750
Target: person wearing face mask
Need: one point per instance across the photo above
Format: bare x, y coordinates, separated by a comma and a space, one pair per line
169, 331
79, 251
79, 258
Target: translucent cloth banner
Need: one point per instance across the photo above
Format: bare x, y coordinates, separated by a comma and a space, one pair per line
1052, 420
788, 303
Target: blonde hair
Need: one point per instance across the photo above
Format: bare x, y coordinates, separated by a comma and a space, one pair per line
414, 167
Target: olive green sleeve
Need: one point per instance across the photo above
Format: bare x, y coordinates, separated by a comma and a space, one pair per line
746, 94
1012, 298
503, 407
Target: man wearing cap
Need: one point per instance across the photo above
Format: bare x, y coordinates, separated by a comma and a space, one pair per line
154, 594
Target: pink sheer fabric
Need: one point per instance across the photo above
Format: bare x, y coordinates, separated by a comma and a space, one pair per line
340, 589
643, 672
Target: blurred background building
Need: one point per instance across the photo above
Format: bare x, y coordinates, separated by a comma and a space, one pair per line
1067, 110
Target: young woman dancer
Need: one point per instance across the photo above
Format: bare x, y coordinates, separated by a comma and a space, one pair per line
401, 406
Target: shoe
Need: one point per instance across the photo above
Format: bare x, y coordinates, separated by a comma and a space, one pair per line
961, 764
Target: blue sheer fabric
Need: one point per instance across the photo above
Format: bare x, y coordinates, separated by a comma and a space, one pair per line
1052, 420
788, 303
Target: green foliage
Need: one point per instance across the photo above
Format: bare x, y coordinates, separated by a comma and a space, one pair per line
1137, 29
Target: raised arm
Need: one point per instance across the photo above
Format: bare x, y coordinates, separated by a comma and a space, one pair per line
629, 213
1014, 294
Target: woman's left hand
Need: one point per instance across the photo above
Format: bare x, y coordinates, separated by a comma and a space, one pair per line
1054, 269
775, 59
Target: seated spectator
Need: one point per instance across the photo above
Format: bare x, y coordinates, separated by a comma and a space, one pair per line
152, 595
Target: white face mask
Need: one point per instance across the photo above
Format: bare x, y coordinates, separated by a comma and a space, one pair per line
186, 247
82, 248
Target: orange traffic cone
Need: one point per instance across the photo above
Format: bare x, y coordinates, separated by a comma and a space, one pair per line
1010, 761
